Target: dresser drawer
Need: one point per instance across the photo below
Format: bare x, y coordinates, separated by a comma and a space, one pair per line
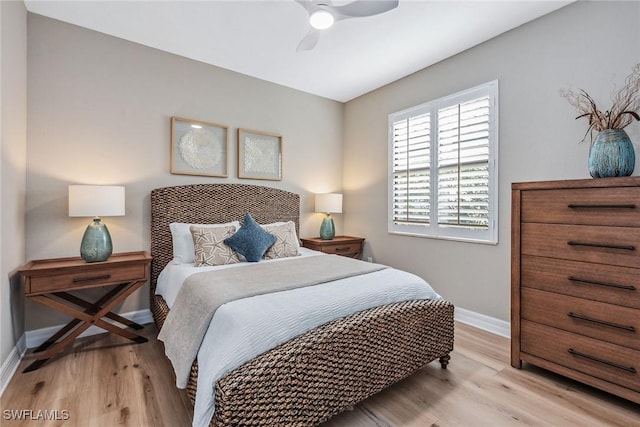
609, 362
617, 206
607, 322
599, 282
603, 245
85, 278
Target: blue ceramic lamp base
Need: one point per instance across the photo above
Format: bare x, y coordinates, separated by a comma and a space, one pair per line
96, 243
327, 229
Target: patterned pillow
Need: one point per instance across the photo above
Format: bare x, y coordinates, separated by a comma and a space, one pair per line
183, 249
286, 244
210, 248
251, 241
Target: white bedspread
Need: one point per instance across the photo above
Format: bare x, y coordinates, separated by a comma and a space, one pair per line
243, 329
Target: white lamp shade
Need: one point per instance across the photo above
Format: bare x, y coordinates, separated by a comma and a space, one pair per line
96, 200
329, 203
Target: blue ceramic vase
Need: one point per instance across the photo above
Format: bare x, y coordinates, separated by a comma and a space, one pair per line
96, 243
611, 154
327, 229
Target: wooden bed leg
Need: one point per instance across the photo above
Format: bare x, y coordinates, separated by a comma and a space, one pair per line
444, 361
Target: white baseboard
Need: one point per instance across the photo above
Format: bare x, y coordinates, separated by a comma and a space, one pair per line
481, 321
11, 363
31, 339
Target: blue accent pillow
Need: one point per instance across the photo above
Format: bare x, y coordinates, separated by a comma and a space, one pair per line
251, 240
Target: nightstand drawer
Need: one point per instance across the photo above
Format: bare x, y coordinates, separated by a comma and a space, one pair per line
85, 279
340, 245
342, 248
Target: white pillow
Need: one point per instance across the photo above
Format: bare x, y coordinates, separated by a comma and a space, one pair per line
183, 249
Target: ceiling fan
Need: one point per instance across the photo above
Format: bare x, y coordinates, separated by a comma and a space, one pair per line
322, 15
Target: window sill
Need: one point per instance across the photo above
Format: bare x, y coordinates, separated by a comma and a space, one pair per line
450, 238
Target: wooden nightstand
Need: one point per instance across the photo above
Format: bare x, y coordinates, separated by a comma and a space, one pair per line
340, 245
49, 281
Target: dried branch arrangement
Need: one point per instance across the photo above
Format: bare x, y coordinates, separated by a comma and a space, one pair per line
625, 105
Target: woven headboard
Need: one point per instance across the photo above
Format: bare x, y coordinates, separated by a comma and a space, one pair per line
212, 204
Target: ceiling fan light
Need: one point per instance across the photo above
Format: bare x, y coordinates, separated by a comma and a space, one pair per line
321, 19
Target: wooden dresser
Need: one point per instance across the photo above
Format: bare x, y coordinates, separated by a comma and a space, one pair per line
575, 280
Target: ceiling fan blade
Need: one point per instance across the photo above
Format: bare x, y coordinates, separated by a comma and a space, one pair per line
309, 41
305, 3
361, 8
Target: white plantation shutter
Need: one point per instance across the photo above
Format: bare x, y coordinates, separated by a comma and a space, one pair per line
411, 169
443, 156
463, 164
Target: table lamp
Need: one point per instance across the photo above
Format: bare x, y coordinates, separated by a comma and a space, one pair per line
328, 204
96, 201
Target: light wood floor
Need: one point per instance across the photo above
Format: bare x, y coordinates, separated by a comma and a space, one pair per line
105, 381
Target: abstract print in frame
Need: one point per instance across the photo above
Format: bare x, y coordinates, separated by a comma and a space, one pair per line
259, 155
199, 148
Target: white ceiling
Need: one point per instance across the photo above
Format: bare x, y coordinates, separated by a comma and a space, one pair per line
259, 37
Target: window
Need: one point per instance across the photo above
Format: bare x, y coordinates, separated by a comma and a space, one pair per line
443, 167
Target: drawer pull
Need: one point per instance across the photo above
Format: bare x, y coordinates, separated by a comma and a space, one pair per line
345, 248
601, 245
91, 278
595, 282
576, 206
606, 362
601, 322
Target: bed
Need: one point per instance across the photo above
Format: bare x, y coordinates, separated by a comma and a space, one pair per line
322, 372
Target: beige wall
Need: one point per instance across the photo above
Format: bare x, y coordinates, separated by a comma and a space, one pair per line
13, 123
587, 44
99, 112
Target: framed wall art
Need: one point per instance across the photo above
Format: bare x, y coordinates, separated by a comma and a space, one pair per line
259, 155
199, 148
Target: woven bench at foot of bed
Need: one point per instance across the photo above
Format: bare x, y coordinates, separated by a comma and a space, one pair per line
295, 384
